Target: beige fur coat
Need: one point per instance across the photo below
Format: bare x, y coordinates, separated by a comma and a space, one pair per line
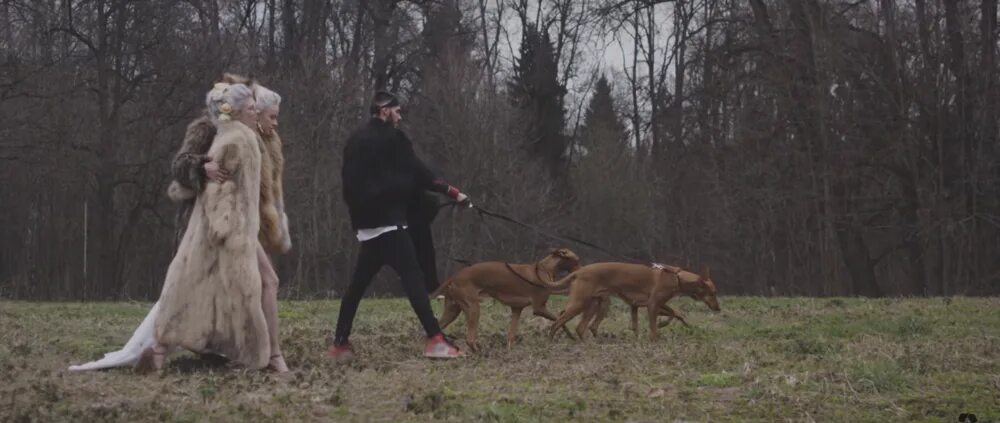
211, 296
188, 176
274, 235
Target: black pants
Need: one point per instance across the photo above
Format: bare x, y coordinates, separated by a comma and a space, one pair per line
423, 242
396, 250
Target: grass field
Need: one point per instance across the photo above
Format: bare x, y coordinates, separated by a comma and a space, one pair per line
761, 359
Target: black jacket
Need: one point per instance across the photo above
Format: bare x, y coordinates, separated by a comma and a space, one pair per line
382, 177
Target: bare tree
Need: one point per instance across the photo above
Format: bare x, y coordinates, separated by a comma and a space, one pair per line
813, 147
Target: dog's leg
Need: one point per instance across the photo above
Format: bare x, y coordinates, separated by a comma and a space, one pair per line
573, 308
450, 313
672, 314
634, 313
515, 319
653, 315
655, 307
538, 309
592, 308
545, 313
602, 311
472, 324
538, 306
548, 315
666, 311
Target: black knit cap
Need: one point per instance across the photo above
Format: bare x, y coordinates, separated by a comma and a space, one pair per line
382, 100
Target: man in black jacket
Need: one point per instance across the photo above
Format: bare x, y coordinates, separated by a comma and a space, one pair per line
382, 178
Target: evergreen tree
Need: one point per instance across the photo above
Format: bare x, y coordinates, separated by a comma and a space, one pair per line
602, 128
444, 38
536, 91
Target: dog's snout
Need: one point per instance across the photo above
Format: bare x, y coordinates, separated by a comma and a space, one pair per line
712, 303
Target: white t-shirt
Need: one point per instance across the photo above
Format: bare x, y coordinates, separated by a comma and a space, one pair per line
372, 233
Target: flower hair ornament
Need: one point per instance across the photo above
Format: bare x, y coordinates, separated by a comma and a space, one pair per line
225, 109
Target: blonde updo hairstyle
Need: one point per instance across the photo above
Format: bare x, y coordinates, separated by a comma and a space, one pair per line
266, 99
225, 101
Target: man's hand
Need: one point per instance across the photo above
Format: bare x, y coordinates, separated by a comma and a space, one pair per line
458, 196
215, 173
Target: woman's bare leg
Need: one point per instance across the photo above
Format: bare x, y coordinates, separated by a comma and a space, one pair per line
269, 303
152, 359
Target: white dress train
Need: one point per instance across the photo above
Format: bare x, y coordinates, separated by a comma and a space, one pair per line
144, 337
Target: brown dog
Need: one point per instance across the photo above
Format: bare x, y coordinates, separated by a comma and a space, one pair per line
516, 285
602, 307
639, 285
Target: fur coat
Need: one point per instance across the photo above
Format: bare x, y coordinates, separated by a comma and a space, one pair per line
189, 178
187, 172
211, 297
274, 235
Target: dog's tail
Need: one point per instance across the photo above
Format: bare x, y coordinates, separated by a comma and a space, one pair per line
563, 283
441, 289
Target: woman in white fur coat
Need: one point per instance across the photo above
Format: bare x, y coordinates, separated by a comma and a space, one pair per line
190, 179
211, 299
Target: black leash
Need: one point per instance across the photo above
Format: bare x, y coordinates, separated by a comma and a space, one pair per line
485, 212
533, 283
511, 269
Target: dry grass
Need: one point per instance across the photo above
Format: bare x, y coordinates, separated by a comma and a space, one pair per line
760, 359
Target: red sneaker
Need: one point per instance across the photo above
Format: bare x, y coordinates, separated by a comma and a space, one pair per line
440, 347
341, 353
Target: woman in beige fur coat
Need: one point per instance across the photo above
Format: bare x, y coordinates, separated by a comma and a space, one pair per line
274, 235
192, 169
211, 299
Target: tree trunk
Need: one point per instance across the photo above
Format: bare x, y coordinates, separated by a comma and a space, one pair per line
381, 12
289, 25
954, 152
271, 31
958, 152
680, 68
636, 118
314, 14
858, 261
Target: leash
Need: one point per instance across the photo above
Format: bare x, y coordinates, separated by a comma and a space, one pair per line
486, 212
511, 269
524, 278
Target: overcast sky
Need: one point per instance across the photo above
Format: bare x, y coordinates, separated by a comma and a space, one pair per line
608, 53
